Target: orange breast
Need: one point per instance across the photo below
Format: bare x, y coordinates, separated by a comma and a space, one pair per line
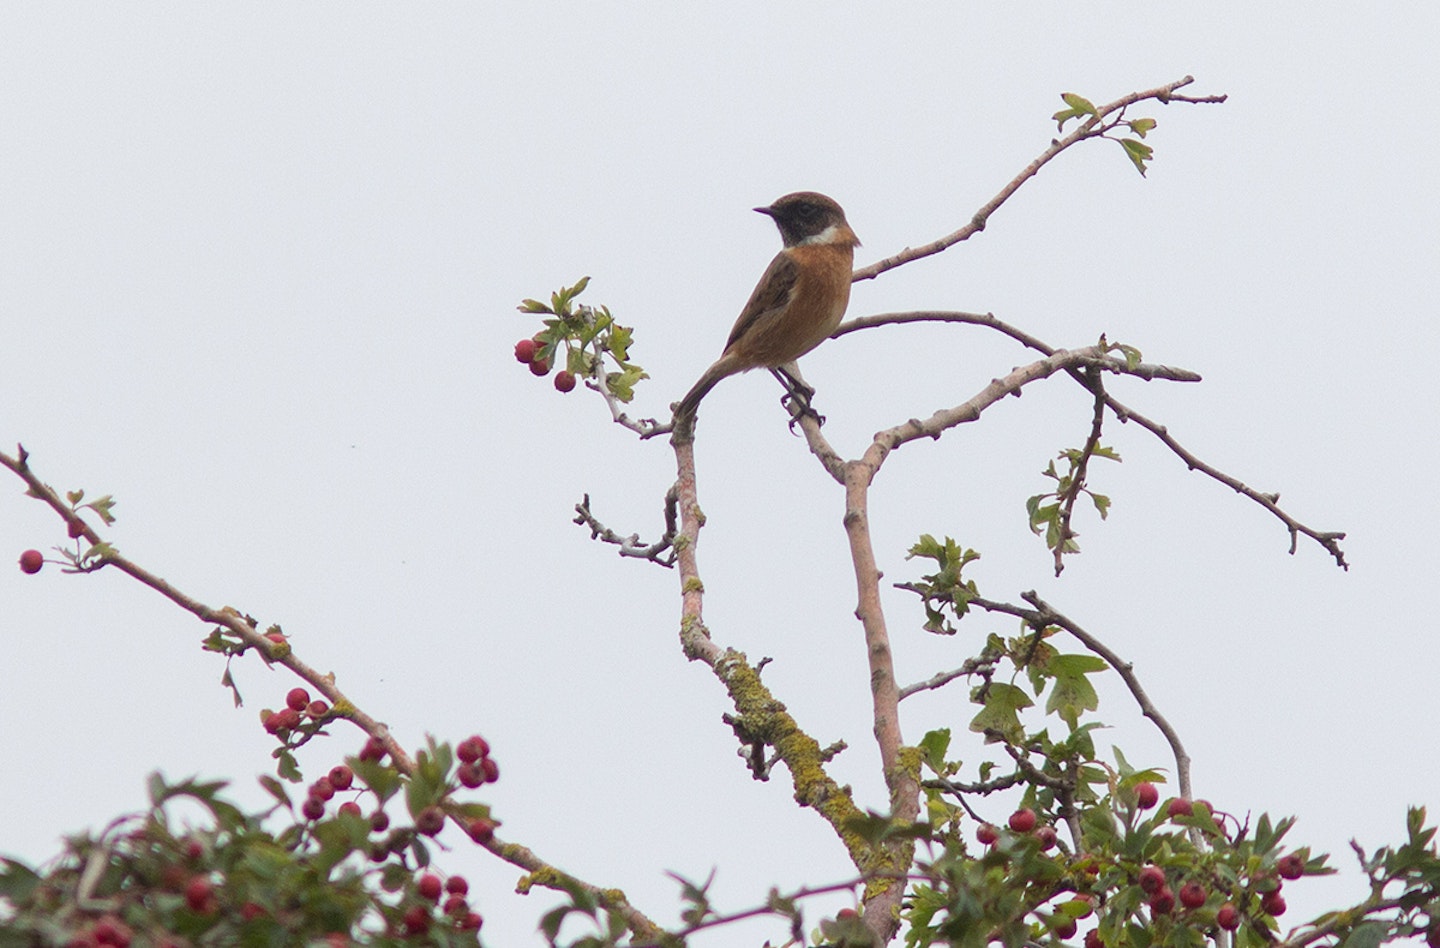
816, 305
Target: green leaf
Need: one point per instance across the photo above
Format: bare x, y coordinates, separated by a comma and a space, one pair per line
1366, 935
934, 745
1138, 152
1002, 704
1079, 103
1102, 504
17, 880
534, 306
276, 789
1141, 126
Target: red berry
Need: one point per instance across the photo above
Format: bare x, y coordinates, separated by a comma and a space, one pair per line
1272, 902
351, 807
198, 894
312, 808
1146, 795
470, 775
481, 830
194, 849
1151, 879
457, 885
430, 887
430, 821
251, 911
492, 769
283, 720
846, 913
31, 561
1228, 917
341, 777
379, 821
1290, 867
1022, 821
540, 367
1047, 837
76, 528
472, 749
111, 931
373, 750
322, 789
1063, 925
987, 834
1163, 901
564, 381
1180, 807
317, 708
1192, 895
456, 906
525, 351
1092, 939
297, 699
472, 922
417, 920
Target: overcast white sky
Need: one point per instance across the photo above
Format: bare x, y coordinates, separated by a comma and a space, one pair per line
258, 270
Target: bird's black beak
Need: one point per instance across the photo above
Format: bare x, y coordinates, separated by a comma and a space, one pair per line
767, 211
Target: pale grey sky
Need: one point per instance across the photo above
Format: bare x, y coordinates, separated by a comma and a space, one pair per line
258, 277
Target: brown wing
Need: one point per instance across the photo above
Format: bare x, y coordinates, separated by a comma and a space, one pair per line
770, 295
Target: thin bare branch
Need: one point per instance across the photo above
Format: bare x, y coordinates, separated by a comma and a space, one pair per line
1107, 117
631, 546
971, 667
1329, 540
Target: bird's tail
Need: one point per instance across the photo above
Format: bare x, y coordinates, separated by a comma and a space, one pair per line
685, 411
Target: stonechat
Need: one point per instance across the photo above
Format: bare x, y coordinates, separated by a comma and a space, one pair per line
798, 302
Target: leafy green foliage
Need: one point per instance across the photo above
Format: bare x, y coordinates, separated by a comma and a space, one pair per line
945, 592
589, 339
228, 880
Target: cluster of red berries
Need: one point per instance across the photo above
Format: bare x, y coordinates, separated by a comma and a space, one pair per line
1161, 898
321, 791
297, 702
477, 767
474, 754
418, 918
530, 352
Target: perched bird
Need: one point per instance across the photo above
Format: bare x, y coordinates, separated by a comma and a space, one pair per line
798, 302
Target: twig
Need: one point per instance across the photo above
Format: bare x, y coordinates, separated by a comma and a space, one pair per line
1077, 474
644, 427
631, 546
971, 666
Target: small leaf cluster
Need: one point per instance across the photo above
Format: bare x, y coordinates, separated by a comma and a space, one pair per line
1079, 107
589, 338
150, 880
1049, 512
945, 593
